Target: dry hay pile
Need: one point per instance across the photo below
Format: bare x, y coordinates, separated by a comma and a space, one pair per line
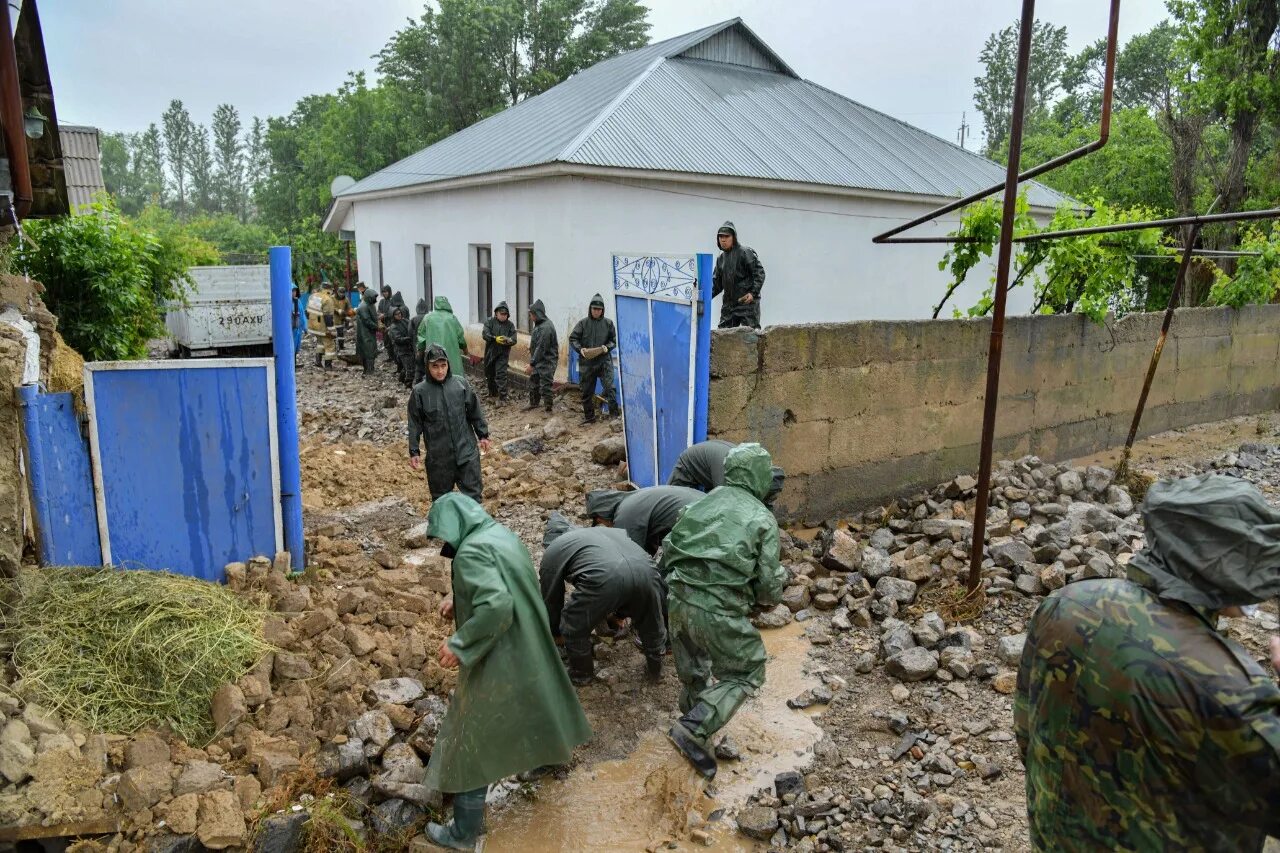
122, 650
66, 372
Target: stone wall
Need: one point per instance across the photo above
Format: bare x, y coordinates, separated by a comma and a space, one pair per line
858, 413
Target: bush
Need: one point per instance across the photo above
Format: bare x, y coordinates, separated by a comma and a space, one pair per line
107, 278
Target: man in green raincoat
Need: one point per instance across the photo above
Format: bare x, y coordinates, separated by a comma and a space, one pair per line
442, 328
720, 559
367, 331
1140, 725
513, 709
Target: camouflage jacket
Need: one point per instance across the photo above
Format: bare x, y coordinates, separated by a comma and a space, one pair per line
1143, 728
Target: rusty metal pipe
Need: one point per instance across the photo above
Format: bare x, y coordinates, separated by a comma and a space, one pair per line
1185, 264
1197, 220
1003, 256
1104, 133
11, 117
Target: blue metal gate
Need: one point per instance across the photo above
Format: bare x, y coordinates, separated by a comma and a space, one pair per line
663, 347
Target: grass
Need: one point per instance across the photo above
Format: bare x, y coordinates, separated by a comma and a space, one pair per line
121, 650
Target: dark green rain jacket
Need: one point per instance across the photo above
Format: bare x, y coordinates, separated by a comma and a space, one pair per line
722, 555
441, 328
447, 417
367, 327
701, 466
1141, 727
544, 343
514, 708
645, 515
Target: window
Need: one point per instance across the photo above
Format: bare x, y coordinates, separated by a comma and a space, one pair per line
424, 273
524, 286
375, 258
484, 282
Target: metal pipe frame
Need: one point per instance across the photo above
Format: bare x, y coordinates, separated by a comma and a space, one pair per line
11, 117
1104, 133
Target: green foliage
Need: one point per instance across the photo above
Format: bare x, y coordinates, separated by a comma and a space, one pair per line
1089, 274
993, 90
106, 277
1257, 279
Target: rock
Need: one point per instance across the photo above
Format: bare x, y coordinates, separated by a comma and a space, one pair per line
359, 641
896, 589
1006, 682
929, 629
843, 553
255, 690
525, 444
961, 486
809, 698
727, 749
142, 787
169, 843
919, 570
956, 660
433, 710
1054, 576
221, 821
273, 765
788, 782
946, 528
1085, 517
554, 428
915, 664
758, 822
882, 538
825, 601
779, 617
985, 767
840, 620
229, 708
1029, 585
395, 691
1100, 566
796, 598
1069, 483
416, 536
865, 663
315, 621
42, 722
375, 729
196, 778
182, 814
609, 451
875, 564
1098, 479
342, 761
1011, 554
393, 817
247, 790
1009, 649
899, 693
291, 666
281, 833
144, 750
897, 638
898, 722
16, 759
1119, 501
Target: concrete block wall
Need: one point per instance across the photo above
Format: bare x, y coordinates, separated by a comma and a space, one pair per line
859, 413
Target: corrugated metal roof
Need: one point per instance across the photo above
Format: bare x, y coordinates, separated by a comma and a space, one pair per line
81, 163
657, 108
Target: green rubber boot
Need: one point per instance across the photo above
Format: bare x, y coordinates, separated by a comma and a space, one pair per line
467, 825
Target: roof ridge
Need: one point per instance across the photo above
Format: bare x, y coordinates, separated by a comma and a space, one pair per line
592, 126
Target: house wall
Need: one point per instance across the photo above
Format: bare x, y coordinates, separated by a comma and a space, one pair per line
816, 249
860, 413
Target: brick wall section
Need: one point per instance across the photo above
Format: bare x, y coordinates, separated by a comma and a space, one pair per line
859, 413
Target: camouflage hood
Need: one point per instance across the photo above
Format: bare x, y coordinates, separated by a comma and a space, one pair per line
1212, 542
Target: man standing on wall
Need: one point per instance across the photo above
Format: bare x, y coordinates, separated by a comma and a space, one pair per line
594, 340
739, 275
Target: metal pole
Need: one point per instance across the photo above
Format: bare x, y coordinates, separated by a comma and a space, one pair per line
1200, 219
1005, 250
11, 116
281, 261
702, 361
1185, 264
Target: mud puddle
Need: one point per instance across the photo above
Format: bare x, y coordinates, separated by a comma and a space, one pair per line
652, 796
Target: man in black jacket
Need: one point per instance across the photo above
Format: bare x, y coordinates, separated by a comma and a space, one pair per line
445, 412
739, 275
594, 339
544, 355
419, 366
499, 337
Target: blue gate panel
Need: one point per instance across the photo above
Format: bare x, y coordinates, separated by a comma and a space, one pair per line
635, 352
672, 386
61, 481
186, 457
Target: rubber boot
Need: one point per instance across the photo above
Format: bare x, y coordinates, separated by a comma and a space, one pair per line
653, 669
467, 825
534, 400
694, 749
582, 669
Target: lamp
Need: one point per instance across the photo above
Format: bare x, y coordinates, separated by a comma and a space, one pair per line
33, 123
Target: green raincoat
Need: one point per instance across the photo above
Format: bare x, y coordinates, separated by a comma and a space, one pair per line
514, 708
367, 328
721, 558
440, 327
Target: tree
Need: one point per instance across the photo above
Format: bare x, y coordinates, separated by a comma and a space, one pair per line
1257, 278
993, 90
255, 165
177, 139
148, 159
204, 185
228, 156
118, 169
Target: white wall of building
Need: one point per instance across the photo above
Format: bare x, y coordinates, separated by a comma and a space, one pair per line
820, 262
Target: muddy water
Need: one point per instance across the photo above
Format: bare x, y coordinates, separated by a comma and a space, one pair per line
652, 796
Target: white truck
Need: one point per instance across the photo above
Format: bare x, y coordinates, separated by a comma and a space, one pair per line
227, 312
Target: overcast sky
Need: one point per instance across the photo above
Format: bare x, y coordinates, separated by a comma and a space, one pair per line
116, 64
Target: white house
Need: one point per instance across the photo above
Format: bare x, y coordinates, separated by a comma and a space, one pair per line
649, 152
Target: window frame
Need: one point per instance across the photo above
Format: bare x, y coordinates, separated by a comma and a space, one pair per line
483, 282
522, 299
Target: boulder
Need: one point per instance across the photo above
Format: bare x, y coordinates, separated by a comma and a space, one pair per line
375, 729
393, 817
843, 553
796, 598
758, 822
416, 536
342, 761
875, 564
221, 823
229, 708
609, 451
1009, 649
896, 589
143, 787
1069, 483
395, 691
525, 444
915, 664
1011, 554
281, 833
196, 778
182, 814
897, 638
141, 751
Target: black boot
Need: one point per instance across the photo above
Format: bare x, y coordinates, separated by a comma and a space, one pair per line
653, 669
697, 753
467, 825
582, 669
533, 404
